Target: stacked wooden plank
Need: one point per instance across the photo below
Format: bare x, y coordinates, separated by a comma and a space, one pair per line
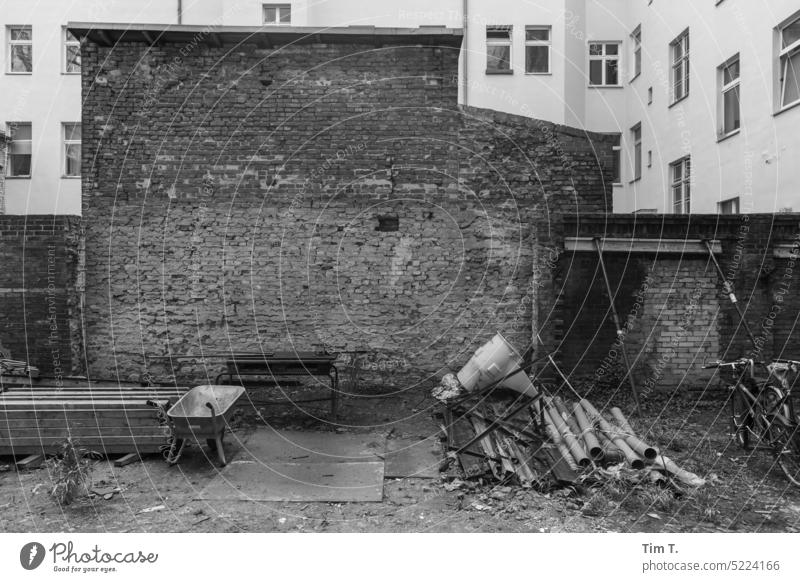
107, 418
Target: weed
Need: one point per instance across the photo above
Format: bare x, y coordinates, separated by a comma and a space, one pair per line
71, 472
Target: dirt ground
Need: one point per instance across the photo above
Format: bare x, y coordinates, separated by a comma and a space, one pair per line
745, 492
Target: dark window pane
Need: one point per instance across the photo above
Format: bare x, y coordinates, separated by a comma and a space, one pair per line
537, 59
498, 57
19, 165
270, 14
21, 34
612, 49
73, 59
791, 34
21, 61
791, 79
538, 34
730, 73
286, 15
595, 72
731, 105
612, 73
595, 49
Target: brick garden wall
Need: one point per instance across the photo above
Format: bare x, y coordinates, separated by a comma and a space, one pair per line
676, 311
39, 298
313, 195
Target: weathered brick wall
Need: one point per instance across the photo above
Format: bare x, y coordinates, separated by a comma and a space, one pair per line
249, 198
39, 301
677, 312
3, 147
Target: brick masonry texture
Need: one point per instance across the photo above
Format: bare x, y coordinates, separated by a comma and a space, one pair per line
677, 314
3, 147
39, 297
239, 198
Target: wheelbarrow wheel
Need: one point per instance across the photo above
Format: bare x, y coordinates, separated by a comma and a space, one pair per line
212, 444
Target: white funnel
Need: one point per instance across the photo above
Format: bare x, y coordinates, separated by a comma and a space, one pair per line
494, 360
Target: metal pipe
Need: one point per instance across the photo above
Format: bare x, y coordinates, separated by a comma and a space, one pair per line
180, 11
728, 286
552, 432
592, 444
613, 435
637, 444
620, 333
572, 443
683, 476
465, 45
570, 422
611, 454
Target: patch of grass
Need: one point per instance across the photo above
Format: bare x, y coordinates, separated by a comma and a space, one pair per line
71, 472
705, 501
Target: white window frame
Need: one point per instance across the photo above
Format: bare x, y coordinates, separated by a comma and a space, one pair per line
542, 43
683, 64
67, 142
785, 56
67, 42
10, 131
616, 150
724, 89
11, 43
636, 52
636, 140
682, 204
500, 42
279, 10
604, 58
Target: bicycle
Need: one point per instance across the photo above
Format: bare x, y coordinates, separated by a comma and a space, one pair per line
763, 410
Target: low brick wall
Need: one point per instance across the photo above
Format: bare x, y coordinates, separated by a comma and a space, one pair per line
676, 311
39, 291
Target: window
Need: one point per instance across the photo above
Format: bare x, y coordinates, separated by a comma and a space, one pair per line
649, 95
680, 67
604, 64
636, 138
730, 206
280, 14
72, 53
729, 97
498, 49
617, 159
72, 150
790, 62
20, 49
19, 150
681, 171
537, 49
636, 39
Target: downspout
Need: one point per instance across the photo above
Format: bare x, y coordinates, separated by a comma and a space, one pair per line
465, 45
180, 11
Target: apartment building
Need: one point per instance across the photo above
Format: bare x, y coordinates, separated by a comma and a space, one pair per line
703, 94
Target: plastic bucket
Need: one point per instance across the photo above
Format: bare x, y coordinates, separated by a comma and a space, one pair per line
492, 361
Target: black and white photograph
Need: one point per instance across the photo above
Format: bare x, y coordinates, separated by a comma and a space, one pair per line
492, 267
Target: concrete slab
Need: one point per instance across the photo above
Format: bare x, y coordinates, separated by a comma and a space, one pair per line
409, 458
248, 480
272, 446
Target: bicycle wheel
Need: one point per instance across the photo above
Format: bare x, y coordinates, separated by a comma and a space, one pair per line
787, 452
741, 420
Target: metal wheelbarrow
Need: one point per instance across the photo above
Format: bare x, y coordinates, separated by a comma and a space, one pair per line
202, 413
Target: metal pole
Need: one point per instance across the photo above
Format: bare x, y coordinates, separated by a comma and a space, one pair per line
728, 286
620, 333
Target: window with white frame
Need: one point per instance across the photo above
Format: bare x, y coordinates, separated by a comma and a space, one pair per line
72, 150
636, 138
789, 58
498, 49
20, 49
604, 64
680, 66
730, 206
729, 114
72, 53
636, 44
278, 14
18, 149
537, 50
681, 173
616, 150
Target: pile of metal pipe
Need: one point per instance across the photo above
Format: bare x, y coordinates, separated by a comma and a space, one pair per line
584, 437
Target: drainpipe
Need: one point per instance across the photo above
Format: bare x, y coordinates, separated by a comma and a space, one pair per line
180, 11
465, 44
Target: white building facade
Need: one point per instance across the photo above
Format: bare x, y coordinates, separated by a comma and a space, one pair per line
703, 93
